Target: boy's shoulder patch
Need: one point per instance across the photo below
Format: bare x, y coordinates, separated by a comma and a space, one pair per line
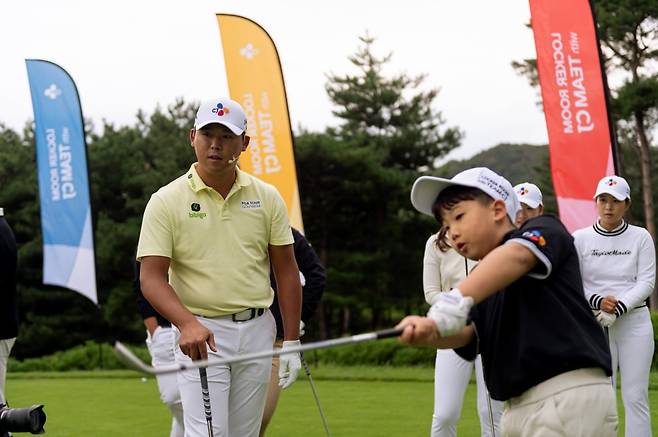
535, 236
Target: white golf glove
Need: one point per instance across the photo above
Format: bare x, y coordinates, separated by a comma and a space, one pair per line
302, 325
289, 365
605, 319
450, 312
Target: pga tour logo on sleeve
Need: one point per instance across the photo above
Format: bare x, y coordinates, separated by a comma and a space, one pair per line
250, 204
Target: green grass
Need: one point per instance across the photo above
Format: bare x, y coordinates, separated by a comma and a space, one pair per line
358, 401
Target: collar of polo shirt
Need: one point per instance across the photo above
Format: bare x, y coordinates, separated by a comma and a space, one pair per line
196, 183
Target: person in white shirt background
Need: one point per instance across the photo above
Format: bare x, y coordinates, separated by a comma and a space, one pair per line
443, 268
618, 266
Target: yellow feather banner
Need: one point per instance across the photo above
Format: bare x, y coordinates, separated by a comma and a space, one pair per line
255, 80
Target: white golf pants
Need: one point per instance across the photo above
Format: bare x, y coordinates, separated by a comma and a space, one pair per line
452, 374
237, 391
161, 347
631, 346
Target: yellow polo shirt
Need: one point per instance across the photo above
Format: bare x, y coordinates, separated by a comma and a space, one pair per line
218, 247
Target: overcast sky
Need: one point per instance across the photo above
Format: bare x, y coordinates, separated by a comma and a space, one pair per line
130, 55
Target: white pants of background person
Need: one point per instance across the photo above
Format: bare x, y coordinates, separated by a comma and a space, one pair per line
631, 347
237, 391
452, 375
161, 347
5, 349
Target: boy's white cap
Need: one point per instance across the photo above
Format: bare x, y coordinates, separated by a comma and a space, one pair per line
427, 188
616, 186
223, 111
530, 194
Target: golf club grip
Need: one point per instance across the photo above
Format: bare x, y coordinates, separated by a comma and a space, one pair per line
388, 333
205, 393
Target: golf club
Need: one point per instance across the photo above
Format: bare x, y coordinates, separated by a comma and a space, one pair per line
132, 361
307, 370
205, 393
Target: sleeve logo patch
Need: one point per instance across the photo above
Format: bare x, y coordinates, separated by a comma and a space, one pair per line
535, 236
250, 204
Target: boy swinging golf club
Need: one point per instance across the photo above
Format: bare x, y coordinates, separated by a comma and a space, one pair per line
542, 350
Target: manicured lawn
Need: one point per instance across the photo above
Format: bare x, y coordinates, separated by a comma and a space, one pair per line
358, 401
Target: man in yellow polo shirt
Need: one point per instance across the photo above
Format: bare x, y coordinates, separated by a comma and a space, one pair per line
205, 247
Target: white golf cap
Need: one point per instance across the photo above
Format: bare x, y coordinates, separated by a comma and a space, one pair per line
616, 186
530, 194
427, 188
223, 111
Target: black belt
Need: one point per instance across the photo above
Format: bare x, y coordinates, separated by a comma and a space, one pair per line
241, 316
248, 314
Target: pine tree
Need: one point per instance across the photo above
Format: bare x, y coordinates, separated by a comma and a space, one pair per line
390, 115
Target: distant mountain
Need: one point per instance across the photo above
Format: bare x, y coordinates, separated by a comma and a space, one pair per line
516, 162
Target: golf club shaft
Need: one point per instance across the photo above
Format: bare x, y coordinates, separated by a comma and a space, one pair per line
134, 362
307, 370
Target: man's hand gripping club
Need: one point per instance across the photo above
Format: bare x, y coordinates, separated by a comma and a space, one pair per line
193, 340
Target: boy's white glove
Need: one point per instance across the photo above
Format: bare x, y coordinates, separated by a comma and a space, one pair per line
450, 312
605, 319
289, 364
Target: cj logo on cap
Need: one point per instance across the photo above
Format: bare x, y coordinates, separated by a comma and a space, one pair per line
220, 110
611, 182
523, 191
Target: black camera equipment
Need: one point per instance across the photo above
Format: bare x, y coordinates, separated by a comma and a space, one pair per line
29, 420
